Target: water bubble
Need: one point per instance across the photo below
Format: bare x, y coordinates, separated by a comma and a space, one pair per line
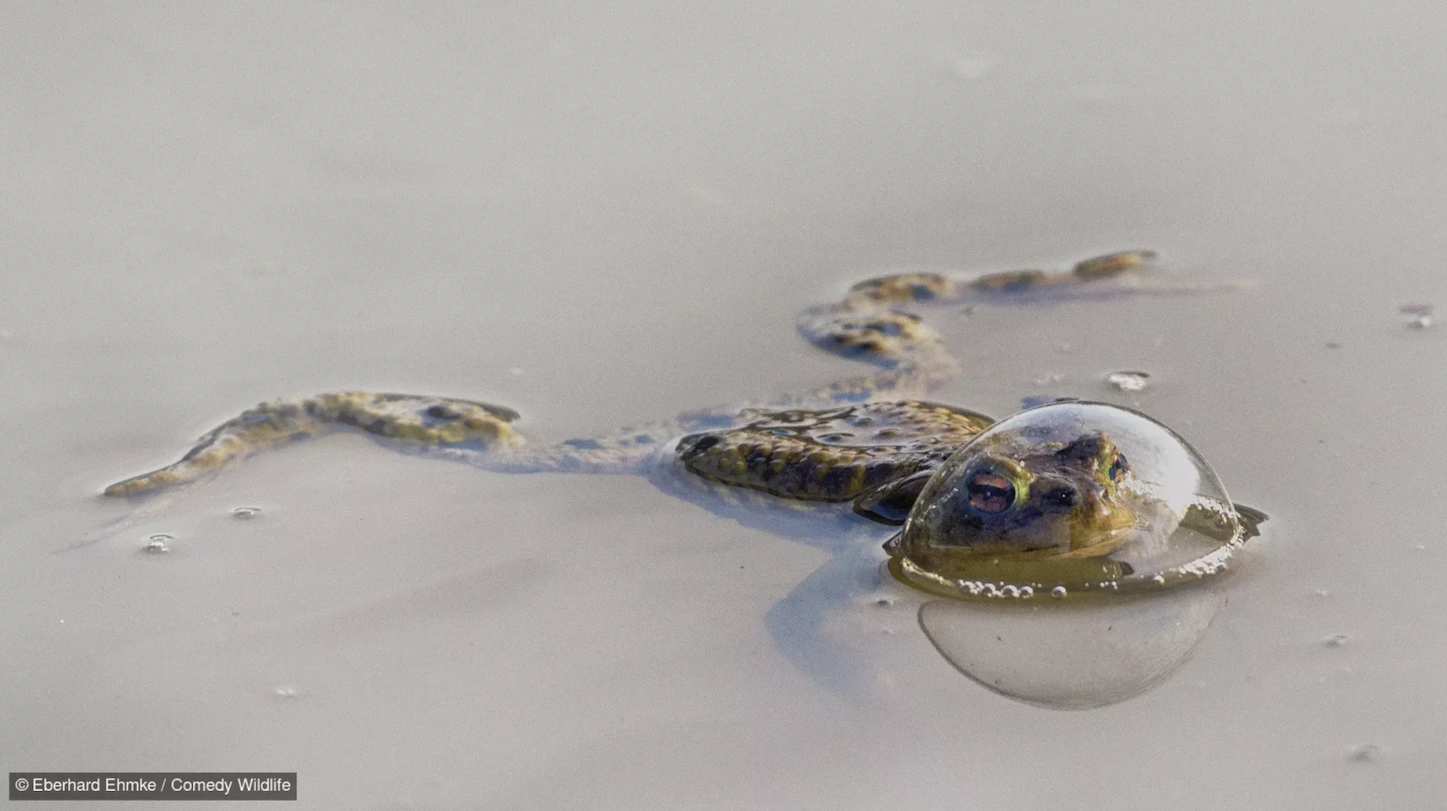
1129, 381
1169, 519
158, 543
1026, 592
246, 512
1419, 314
1335, 640
286, 691
1058, 592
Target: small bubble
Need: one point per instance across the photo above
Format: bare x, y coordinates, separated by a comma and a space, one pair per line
1009, 591
884, 601
1058, 592
246, 512
1128, 381
1419, 314
158, 543
1026, 592
286, 691
1366, 753
1159, 580
1335, 640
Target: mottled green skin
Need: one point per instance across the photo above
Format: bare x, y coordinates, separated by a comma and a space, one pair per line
831, 455
848, 441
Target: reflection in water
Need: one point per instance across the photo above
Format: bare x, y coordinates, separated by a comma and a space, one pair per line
1073, 654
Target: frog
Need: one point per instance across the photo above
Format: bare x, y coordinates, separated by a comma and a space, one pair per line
874, 442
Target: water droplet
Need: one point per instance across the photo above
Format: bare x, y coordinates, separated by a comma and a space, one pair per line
1419, 314
1335, 640
246, 512
158, 543
1058, 592
1367, 753
1128, 381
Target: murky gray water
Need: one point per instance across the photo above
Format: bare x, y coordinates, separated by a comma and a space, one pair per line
601, 214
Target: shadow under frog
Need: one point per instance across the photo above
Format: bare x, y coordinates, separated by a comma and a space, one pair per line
804, 466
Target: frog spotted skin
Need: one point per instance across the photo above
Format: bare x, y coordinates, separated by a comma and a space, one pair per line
870, 440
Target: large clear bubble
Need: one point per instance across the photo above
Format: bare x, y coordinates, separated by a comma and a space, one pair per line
1064, 499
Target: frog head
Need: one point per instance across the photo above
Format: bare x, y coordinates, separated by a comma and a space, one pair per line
1067, 499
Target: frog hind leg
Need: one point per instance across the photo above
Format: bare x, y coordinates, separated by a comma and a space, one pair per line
412, 419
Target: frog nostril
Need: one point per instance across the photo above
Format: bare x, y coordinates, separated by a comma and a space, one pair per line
1060, 497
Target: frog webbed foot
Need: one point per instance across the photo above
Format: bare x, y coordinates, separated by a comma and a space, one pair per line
418, 421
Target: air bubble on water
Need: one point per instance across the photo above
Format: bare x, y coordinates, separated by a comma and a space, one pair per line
286, 691
246, 512
1026, 592
1010, 591
158, 543
1058, 592
1419, 314
1366, 753
1159, 580
1128, 381
1335, 640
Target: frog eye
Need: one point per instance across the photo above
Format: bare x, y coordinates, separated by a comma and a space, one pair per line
990, 492
1118, 468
